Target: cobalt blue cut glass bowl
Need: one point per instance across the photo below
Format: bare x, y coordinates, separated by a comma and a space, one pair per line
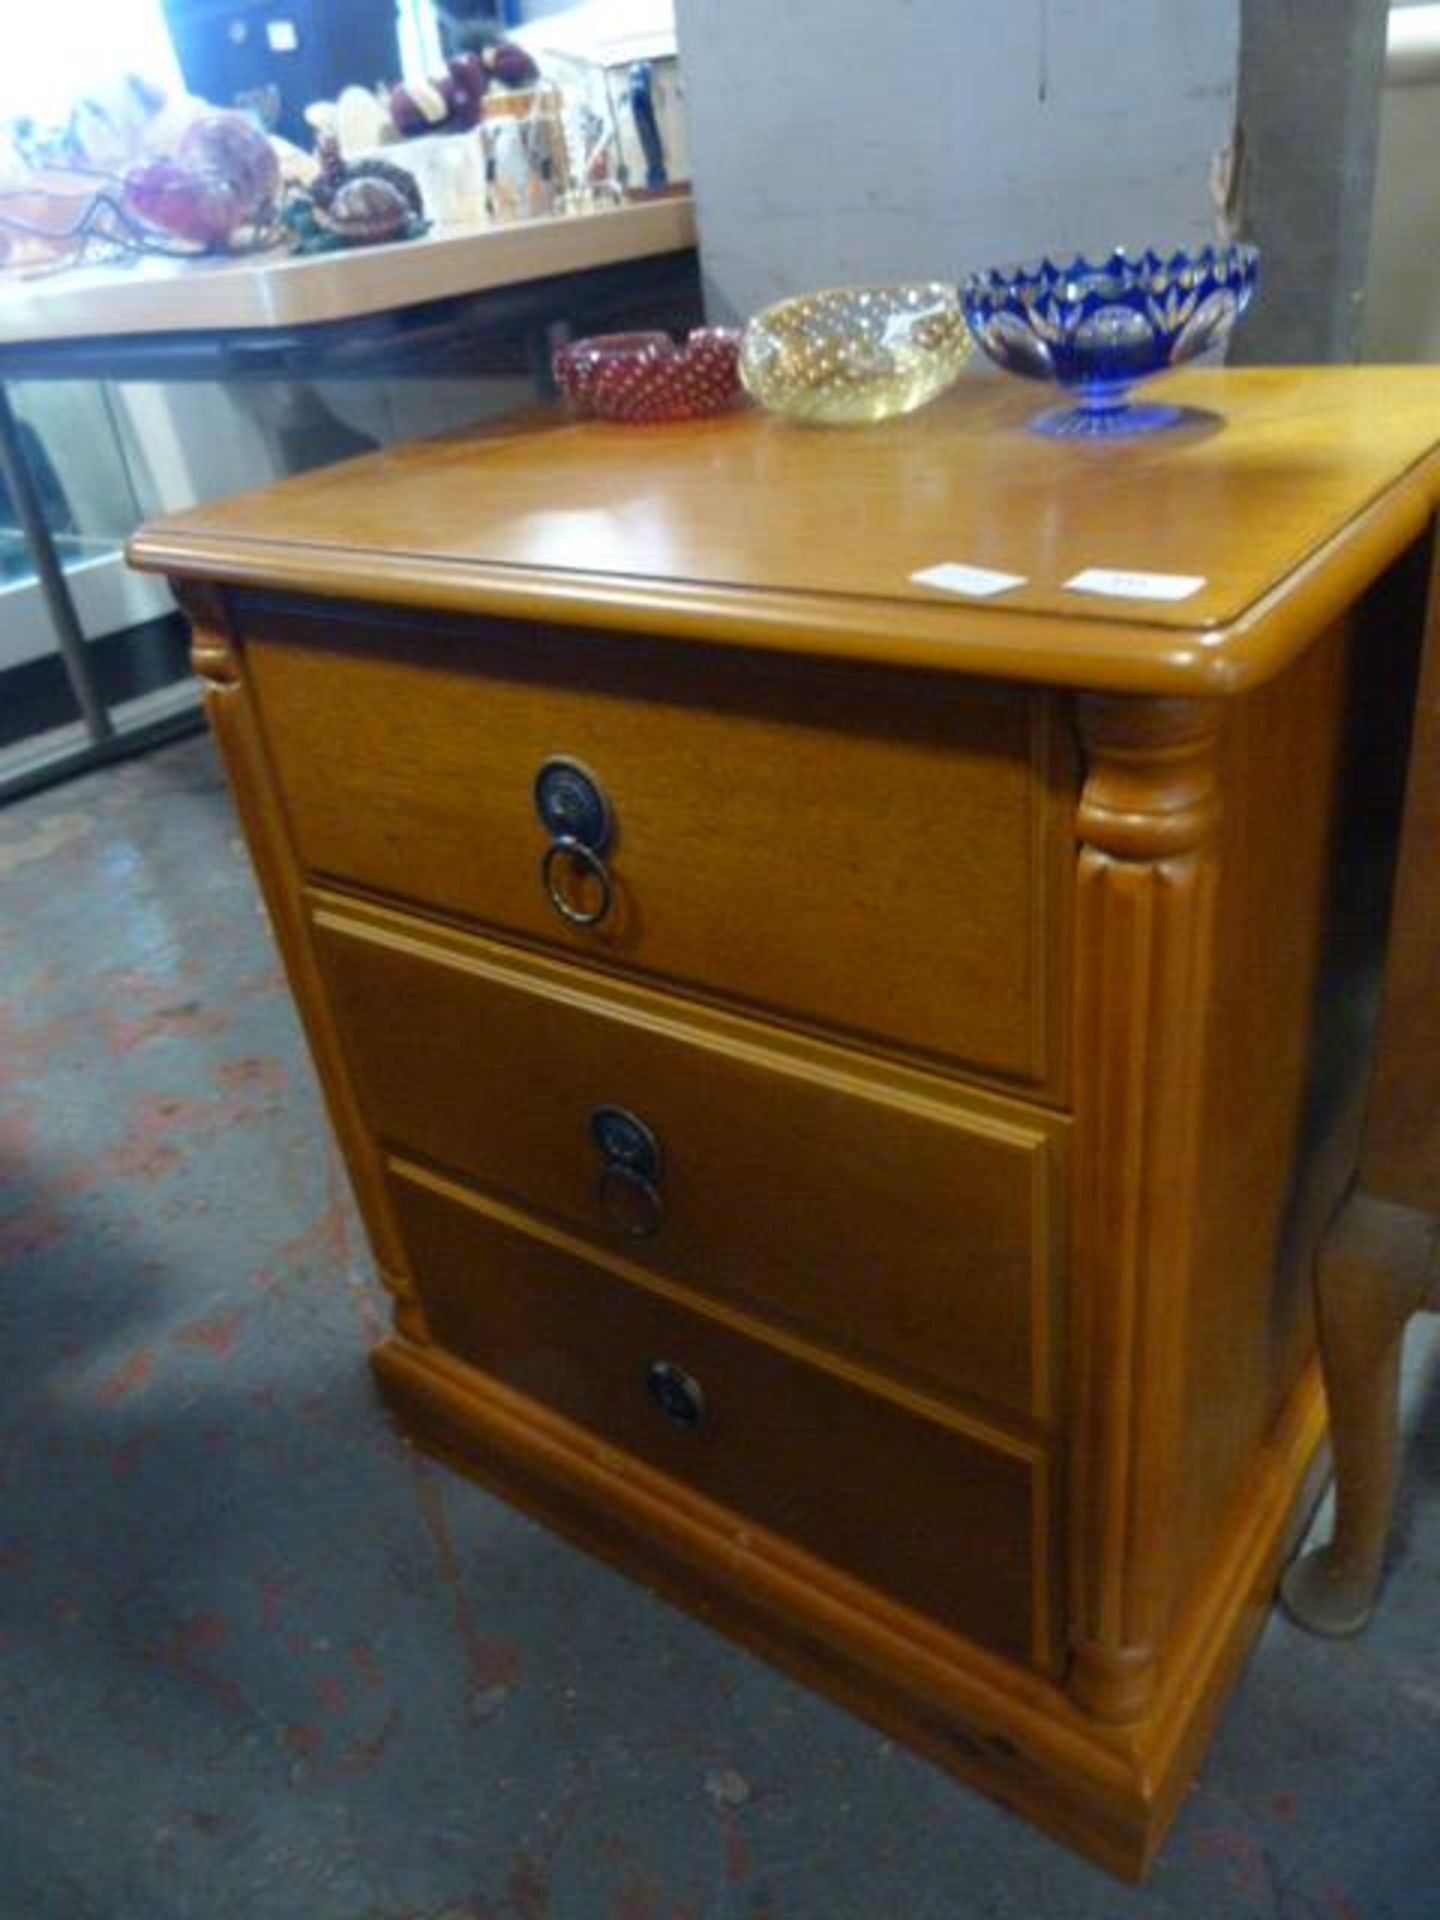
1095, 328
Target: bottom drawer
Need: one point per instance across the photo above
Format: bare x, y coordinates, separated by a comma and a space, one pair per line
946, 1521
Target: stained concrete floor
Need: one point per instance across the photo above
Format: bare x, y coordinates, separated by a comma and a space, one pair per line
260, 1659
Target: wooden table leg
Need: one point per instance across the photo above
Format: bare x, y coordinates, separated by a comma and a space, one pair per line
1375, 1269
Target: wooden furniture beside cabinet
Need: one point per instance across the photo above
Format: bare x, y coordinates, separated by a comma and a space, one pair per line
850, 1143
1380, 1260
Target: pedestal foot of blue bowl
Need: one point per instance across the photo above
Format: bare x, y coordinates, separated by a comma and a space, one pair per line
1105, 423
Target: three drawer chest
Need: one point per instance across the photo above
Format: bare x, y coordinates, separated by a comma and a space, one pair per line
844, 1078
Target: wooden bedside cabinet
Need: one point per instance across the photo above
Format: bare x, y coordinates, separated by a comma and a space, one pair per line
844, 1082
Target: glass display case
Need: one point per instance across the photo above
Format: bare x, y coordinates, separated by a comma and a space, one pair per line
131, 641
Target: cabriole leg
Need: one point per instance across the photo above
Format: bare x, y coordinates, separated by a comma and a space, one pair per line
1374, 1271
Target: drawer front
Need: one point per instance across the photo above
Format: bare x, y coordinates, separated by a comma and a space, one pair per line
943, 1521
879, 853
892, 1217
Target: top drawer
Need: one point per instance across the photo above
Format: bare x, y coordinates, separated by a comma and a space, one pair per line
882, 853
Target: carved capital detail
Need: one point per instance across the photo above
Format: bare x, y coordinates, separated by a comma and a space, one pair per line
214, 661
1145, 908
214, 651
1151, 789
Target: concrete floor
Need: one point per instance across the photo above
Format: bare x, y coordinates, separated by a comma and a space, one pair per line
259, 1659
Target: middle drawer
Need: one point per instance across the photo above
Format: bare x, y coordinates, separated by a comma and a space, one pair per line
911, 1225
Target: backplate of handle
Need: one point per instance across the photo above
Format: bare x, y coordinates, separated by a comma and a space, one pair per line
677, 1394
572, 804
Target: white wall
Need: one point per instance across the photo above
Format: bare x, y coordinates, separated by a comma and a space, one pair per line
62, 52
851, 140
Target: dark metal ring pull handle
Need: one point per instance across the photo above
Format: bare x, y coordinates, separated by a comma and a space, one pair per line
676, 1393
630, 1196
567, 855
631, 1203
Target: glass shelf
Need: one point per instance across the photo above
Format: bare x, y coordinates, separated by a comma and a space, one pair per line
74, 550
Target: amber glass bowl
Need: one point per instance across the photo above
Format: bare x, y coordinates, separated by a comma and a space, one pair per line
852, 355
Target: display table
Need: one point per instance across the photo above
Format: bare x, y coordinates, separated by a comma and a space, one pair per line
845, 1080
456, 300
49, 321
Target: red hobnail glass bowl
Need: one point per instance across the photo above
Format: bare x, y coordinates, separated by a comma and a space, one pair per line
640, 378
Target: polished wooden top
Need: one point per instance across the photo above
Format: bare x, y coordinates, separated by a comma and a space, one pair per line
750, 531
148, 296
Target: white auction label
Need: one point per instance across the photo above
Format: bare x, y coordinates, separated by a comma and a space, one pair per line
1136, 586
978, 582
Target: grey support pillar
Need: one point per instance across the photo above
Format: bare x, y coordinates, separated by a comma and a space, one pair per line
1311, 73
